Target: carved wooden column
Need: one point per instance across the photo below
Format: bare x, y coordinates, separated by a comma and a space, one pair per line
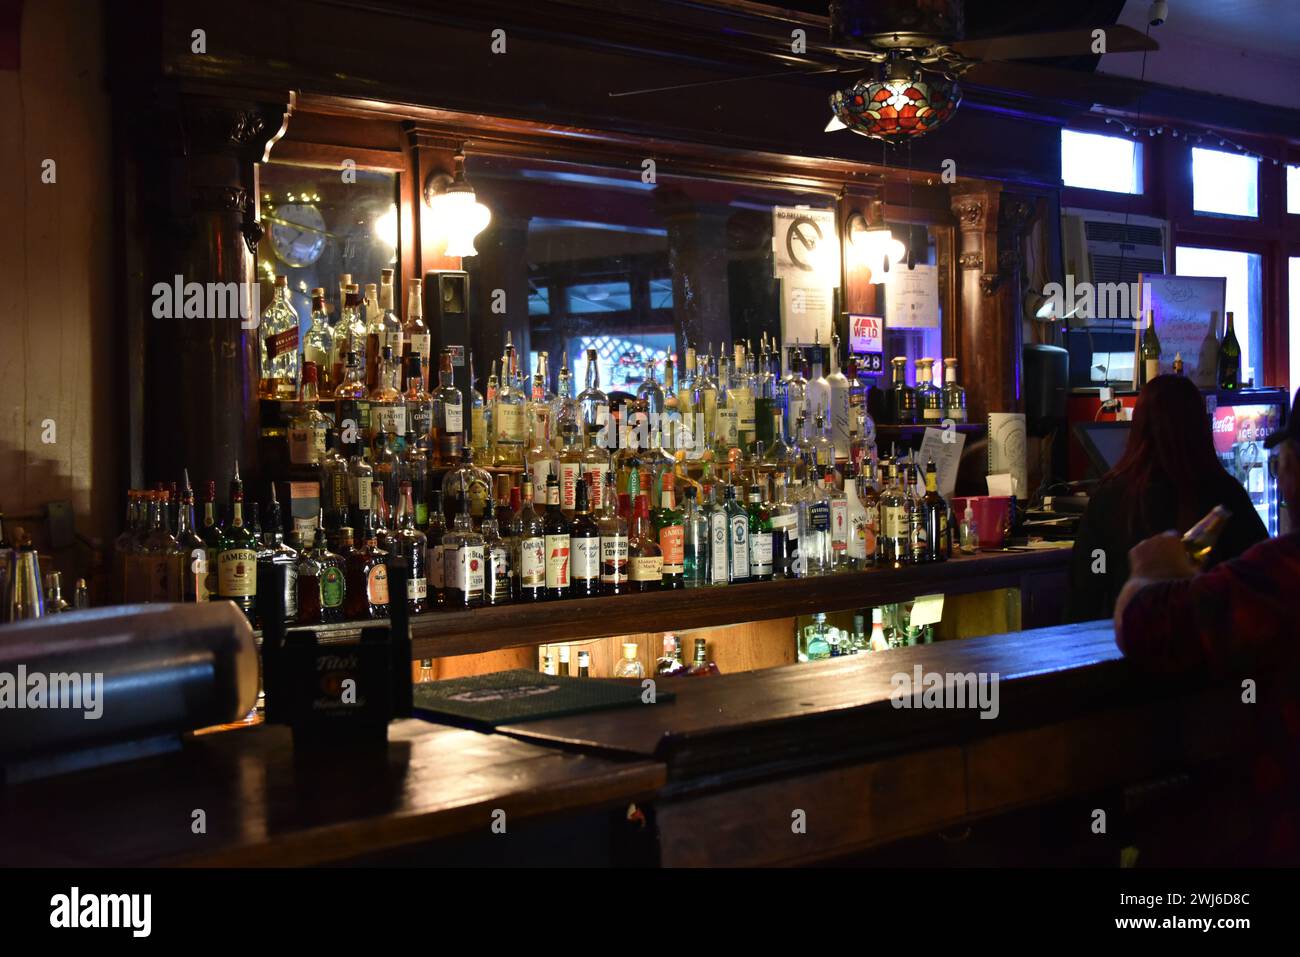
196, 189
989, 339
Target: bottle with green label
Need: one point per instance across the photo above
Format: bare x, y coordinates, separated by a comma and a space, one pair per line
237, 555
320, 581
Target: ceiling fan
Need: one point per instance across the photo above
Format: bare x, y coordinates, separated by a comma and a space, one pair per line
912, 53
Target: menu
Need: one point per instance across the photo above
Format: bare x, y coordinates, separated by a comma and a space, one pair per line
1188, 313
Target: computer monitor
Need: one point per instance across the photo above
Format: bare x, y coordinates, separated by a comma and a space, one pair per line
1104, 442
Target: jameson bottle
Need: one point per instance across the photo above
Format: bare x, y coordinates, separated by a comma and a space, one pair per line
670, 531
555, 529
613, 542
530, 555
1229, 364
237, 555
584, 548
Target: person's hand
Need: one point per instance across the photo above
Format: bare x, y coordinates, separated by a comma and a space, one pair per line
1160, 557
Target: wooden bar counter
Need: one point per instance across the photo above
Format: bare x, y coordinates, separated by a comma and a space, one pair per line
786, 765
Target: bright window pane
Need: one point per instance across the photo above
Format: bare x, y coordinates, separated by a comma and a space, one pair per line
1293, 189
539, 301
600, 297
620, 359
1226, 183
1294, 323
1093, 161
1243, 298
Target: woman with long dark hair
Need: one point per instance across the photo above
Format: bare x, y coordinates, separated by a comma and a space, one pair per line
1168, 477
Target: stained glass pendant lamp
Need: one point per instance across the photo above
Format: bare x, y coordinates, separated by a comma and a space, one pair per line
901, 105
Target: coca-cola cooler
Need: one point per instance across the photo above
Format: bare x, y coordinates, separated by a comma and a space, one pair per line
1240, 424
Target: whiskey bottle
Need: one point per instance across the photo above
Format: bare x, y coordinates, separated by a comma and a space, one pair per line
670, 662
670, 531
900, 398
277, 337
530, 545
318, 345
415, 334
237, 555
463, 560
954, 396
938, 537
190, 566
645, 562
350, 336
352, 404
419, 405
556, 543
387, 403
274, 551
433, 535
411, 544
702, 667
467, 481
497, 572
448, 415
479, 437
211, 535
584, 549
321, 581
156, 558
929, 397
367, 577
508, 413
307, 430
613, 542
785, 531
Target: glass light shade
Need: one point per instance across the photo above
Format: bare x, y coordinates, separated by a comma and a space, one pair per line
896, 109
460, 217
873, 246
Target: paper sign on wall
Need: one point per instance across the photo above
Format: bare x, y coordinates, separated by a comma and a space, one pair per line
946, 456
806, 258
912, 297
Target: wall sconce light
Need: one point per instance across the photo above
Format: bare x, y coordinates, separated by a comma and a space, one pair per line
457, 213
874, 246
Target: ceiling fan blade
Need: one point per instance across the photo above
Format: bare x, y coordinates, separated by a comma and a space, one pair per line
1044, 81
1031, 46
736, 79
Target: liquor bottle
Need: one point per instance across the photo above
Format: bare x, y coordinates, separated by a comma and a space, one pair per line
548, 663
387, 403
823, 450
861, 504
498, 573
210, 532
670, 531
155, 560
645, 561
555, 528
819, 387
414, 468
377, 333
479, 438
122, 590
704, 404
584, 548
767, 409
613, 542
718, 571
345, 283
593, 406
307, 430
411, 544
815, 524
629, 666
419, 404
563, 670
276, 551
415, 334
352, 403
686, 426
785, 530
760, 537
900, 398
584, 664
839, 537
1150, 348
650, 396
670, 662
737, 538
954, 396
795, 388
1229, 359
530, 545
386, 464
277, 337
350, 336
447, 419
318, 345
841, 406
695, 541
190, 563
237, 555
726, 417
508, 420
929, 398
467, 479
595, 464
938, 537
741, 392
463, 560
702, 667
570, 462
367, 576
541, 401
539, 459
434, 532
564, 408
321, 582
918, 542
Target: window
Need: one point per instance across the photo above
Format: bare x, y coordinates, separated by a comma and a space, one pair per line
1244, 298
1293, 189
1225, 183
599, 297
1094, 161
539, 300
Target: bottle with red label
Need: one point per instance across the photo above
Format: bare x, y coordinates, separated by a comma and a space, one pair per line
645, 561
366, 592
584, 547
463, 559
670, 529
555, 541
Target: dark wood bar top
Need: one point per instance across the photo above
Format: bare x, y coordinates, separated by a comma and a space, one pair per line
444, 633
781, 719
262, 807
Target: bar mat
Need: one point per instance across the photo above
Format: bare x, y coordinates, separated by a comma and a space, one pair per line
506, 697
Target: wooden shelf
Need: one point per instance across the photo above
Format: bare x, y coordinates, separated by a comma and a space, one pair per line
445, 633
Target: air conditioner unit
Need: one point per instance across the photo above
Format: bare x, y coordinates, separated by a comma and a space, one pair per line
1104, 247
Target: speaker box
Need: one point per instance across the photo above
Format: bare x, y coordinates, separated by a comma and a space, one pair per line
446, 312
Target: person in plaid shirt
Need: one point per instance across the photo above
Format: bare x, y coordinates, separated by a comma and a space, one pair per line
1238, 620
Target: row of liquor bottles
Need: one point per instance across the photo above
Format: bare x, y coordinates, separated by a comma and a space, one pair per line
610, 542
375, 370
